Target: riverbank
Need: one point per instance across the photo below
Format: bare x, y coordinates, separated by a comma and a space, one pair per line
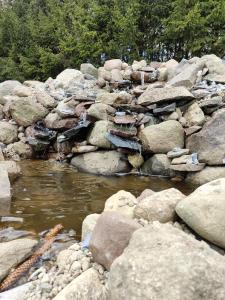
164, 119
138, 244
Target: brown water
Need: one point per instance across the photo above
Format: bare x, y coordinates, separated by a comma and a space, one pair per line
49, 193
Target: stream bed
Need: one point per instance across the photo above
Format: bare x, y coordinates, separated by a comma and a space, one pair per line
49, 193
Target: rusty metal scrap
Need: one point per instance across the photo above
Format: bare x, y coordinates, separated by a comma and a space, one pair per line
12, 278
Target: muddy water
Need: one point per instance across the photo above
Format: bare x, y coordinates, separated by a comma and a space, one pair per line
49, 193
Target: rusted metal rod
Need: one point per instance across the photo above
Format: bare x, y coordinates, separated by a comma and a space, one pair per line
12, 278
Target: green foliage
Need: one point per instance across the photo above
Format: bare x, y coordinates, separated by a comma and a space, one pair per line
40, 38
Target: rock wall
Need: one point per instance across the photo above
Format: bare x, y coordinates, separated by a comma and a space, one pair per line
140, 117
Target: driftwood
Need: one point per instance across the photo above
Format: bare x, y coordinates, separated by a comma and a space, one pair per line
12, 278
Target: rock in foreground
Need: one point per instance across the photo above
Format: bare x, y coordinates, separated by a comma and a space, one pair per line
162, 262
204, 209
110, 237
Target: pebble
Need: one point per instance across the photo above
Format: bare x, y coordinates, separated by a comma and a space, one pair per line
50, 281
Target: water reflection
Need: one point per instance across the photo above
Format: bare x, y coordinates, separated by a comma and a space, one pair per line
49, 193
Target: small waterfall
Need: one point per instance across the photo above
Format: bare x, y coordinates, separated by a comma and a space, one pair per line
142, 78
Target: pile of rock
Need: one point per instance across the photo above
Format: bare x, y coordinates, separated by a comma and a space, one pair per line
139, 248
163, 119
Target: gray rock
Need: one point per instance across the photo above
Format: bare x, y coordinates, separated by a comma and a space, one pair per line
163, 137
5, 191
165, 94
68, 78
203, 211
89, 69
191, 130
159, 206
44, 99
163, 262
214, 64
27, 111
206, 175
209, 143
113, 64
86, 286
110, 237
114, 98
22, 91
8, 133
188, 76
158, 164
14, 252
215, 78
101, 162
23, 150
122, 202
1, 112
177, 153
101, 111
184, 159
12, 168
18, 293
194, 115
188, 167
6, 88
88, 225
146, 193
98, 134
54, 121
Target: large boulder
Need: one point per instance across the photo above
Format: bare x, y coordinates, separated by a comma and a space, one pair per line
163, 262
14, 252
203, 211
110, 237
68, 78
158, 164
86, 286
101, 162
8, 133
159, 206
98, 134
6, 88
122, 202
163, 137
206, 175
164, 94
209, 143
188, 76
27, 111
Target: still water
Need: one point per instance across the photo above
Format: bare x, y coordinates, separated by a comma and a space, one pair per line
49, 193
